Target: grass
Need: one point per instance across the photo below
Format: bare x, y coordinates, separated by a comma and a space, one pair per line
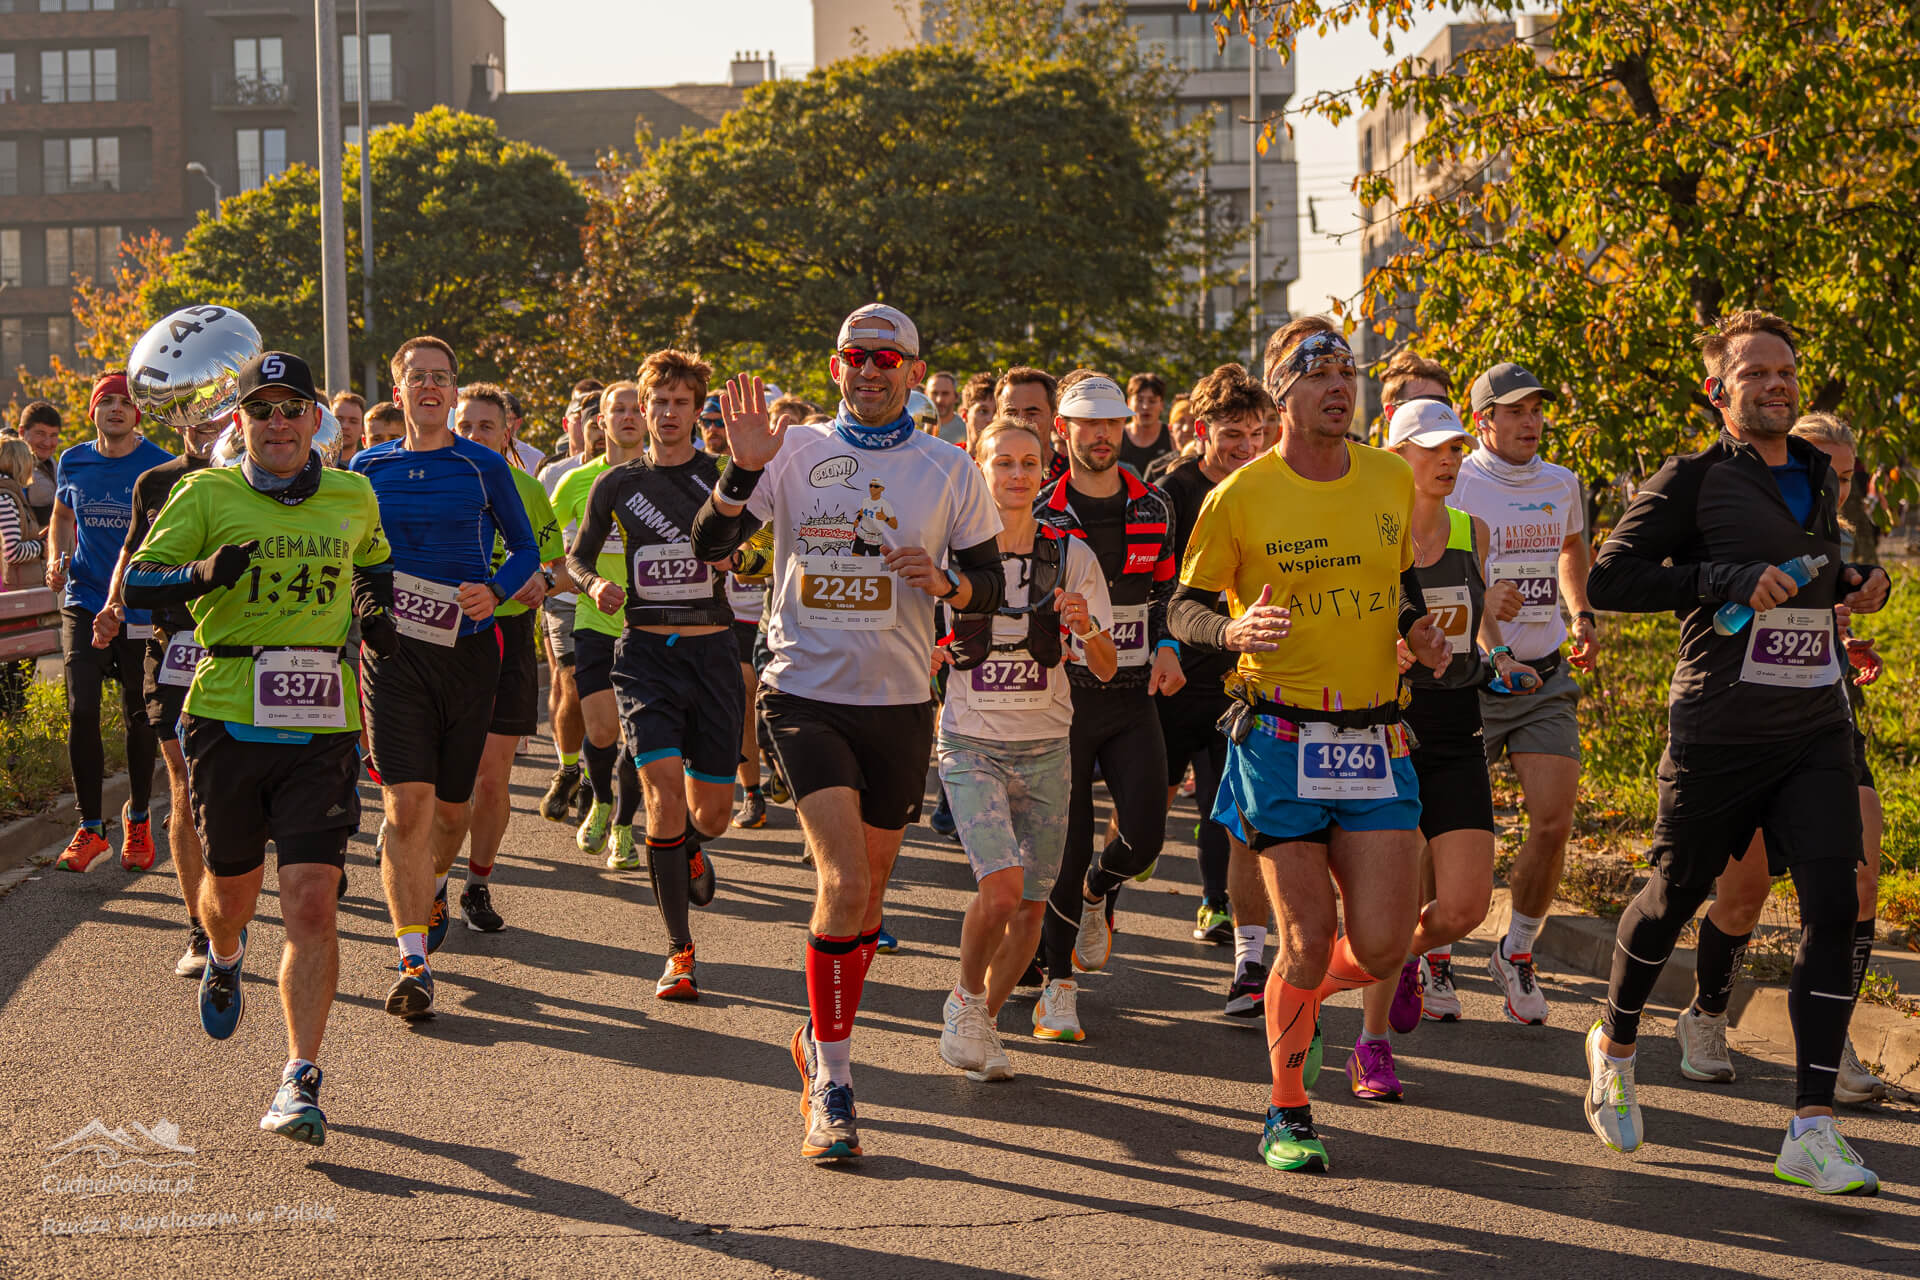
33, 748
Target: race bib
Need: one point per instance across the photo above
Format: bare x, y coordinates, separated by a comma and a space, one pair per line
177, 666
746, 602
1014, 682
1539, 584
426, 610
847, 593
139, 631
299, 689
668, 571
1129, 628
1344, 764
1453, 607
1791, 649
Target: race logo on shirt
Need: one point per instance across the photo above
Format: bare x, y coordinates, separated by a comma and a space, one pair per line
1389, 524
823, 531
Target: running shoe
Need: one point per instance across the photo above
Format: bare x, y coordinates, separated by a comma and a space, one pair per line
476, 908
1612, 1111
965, 1038
592, 835
699, 872
997, 1066
1094, 945
1370, 1072
1056, 1015
886, 944
1442, 1002
438, 920
1703, 1046
223, 998
1247, 993
1212, 924
832, 1128
677, 981
296, 1112
624, 854
1290, 1142
559, 797
1187, 784
1409, 999
412, 995
1517, 982
751, 812
1820, 1158
136, 841
81, 851
776, 787
942, 820
193, 961
1316, 1055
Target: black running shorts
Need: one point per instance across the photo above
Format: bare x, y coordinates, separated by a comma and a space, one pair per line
516, 698
1450, 759
556, 620
682, 696
303, 796
593, 662
1189, 723
743, 637
881, 752
428, 708
164, 701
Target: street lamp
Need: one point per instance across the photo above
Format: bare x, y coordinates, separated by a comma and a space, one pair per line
195, 166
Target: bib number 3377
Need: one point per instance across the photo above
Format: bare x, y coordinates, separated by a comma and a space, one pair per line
1344, 764
299, 689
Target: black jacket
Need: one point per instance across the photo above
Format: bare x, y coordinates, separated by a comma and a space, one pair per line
1147, 571
1700, 534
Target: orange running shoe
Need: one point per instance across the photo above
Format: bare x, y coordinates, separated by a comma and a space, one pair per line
86, 845
136, 841
677, 983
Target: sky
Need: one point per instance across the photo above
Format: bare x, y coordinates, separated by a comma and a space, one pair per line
581, 44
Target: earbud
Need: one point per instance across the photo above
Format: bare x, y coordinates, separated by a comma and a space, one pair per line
1716, 391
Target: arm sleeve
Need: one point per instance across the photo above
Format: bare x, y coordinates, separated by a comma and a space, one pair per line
1166, 573
1413, 601
149, 585
137, 527
1633, 573
510, 514
1192, 619
980, 565
595, 523
716, 536
163, 571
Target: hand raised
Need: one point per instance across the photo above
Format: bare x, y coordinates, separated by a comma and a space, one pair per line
752, 437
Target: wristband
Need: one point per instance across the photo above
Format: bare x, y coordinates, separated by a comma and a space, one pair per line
1168, 642
1586, 615
1497, 650
737, 483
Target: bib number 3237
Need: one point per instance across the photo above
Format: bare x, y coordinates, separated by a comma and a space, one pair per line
1344, 764
299, 689
428, 611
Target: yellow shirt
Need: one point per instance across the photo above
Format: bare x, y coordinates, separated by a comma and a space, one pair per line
1333, 552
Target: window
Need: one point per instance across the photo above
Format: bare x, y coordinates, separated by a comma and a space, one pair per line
257, 59
60, 336
77, 253
79, 75
10, 257
262, 154
9, 167
13, 346
379, 64
80, 164
1187, 39
75, 6
7, 93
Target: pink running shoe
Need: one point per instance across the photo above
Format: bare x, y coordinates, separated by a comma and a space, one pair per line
1409, 998
1370, 1070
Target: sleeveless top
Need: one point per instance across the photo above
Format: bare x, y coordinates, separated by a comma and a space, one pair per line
1457, 568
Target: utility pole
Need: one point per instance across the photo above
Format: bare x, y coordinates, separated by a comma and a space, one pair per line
333, 231
371, 386
1253, 196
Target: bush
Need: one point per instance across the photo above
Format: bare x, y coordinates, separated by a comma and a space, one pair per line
33, 748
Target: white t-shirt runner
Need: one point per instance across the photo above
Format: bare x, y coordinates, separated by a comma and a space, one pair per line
1529, 512
841, 627
1018, 700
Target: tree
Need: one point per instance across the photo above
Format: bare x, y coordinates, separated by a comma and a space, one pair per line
1638, 171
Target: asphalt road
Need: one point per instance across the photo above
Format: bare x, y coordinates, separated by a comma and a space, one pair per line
556, 1120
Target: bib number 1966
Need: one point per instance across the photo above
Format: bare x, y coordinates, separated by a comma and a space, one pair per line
1344, 764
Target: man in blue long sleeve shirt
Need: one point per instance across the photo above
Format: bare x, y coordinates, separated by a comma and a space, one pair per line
428, 705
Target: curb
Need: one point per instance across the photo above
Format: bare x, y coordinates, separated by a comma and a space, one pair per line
48, 831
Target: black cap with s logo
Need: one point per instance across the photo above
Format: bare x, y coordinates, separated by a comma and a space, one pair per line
276, 369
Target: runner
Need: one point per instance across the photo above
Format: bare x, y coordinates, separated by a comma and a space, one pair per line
271, 557
611, 775
747, 597
93, 506
1032, 395
977, 407
846, 692
1456, 795
1535, 514
480, 415
385, 421
350, 411
1408, 376
428, 702
1740, 894
1759, 737
583, 437
1309, 542
1129, 528
676, 669
1146, 438
1004, 742
944, 390
1229, 408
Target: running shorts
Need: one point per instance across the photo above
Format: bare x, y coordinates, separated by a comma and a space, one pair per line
303, 796
682, 696
1259, 801
516, 697
881, 752
1450, 760
428, 707
592, 662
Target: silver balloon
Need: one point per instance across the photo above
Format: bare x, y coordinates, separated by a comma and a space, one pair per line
231, 447
921, 408
185, 369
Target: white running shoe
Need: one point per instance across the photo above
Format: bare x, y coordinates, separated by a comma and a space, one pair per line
1056, 1015
1858, 1086
965, 1039
1703, 1047
1516, 980
1820, 1158
1443, 1001
1612, 1112
998, 1066
1095, 942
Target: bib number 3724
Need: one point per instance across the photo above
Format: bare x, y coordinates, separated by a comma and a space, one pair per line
1344, 764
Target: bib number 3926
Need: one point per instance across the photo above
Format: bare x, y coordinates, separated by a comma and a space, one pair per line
428, 611
847, 593
299, 689
1791, 649
1344, 764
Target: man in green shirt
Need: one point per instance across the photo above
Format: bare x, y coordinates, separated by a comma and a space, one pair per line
272, 557
480, 415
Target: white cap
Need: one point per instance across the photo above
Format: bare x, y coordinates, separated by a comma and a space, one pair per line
1427, 423
899, 330
1094, 398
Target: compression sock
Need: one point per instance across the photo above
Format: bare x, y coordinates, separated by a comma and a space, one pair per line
834, 981
1521, 932
667, 869
628, 791
1862, 954
1717, 961
1249, 946
1291, 1012
413, 943
569, 759
1344, 973
600, 770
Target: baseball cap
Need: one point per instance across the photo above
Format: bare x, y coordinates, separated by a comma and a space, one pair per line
1504, 384
1094, 398
276, 369
1426, 423
860, 325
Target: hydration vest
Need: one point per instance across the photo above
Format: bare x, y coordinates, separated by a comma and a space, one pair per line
972, 639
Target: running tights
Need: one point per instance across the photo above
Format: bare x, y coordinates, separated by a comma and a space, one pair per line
606, 763
84, 750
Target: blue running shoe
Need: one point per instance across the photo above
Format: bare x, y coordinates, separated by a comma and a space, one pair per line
827, 1109
412, 995
887, 943
438, 920
222, 997
296, 1112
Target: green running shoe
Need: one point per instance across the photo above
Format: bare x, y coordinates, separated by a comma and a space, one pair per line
1310, 1069
592, 836
1291, 1143
623, 856
1213, 924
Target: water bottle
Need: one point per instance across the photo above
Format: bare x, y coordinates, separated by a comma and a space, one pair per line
1732, 617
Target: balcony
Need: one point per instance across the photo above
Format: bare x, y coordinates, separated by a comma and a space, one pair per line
9, 182
127, 176
83, 6
386, 86
237, 92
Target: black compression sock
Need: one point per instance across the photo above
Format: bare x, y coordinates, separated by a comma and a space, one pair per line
667, 869
1862, 954
1718, 959
628, 791
600, 769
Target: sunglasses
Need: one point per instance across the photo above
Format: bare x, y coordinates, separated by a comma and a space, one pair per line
882, 359
263, 410
418, 379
